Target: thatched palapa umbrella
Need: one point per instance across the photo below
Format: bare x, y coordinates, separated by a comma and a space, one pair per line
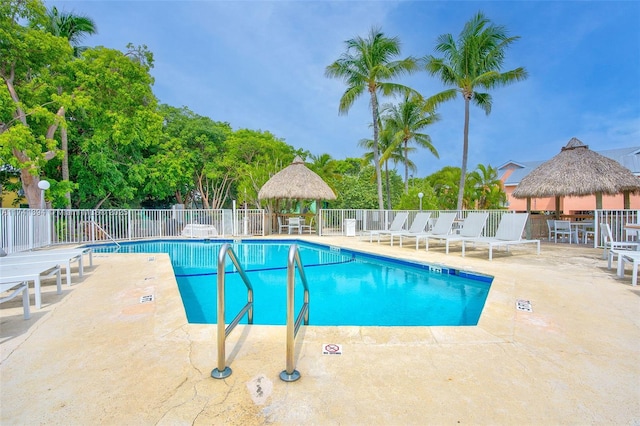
578, 171
296, 182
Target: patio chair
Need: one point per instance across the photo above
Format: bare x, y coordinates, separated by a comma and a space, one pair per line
296, 223
510, 230
282, 226
417, 226
442, 227
551, 228
308, 227
610, 245
563, 228
471, 228
16, 288
396, 225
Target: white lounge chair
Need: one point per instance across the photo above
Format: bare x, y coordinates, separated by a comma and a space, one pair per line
442, 227
471, 228
417, 226
611, 246
58, 256
396, 225
197, 230
509, 233
31, 272
16, 288
628, 256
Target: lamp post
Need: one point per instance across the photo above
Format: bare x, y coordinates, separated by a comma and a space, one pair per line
43, 185
420, 195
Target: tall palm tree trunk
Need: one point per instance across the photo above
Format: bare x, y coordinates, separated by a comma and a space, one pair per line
388, 183
376, 153
406, 166
465, 152
65, 161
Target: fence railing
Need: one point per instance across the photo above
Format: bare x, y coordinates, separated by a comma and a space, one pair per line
334, 221
26, 229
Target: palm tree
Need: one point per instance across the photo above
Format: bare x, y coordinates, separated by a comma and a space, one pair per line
390, 151
488, 187
70, 26
74, 28
368, 65
473, 62
405, 121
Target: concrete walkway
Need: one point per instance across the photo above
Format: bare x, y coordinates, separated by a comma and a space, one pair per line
96, 355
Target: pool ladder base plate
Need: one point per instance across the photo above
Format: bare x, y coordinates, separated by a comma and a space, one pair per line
217, 374
295, 375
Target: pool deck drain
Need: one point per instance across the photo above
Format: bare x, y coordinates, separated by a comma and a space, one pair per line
84, 359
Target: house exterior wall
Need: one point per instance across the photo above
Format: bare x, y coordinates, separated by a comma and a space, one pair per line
569, 204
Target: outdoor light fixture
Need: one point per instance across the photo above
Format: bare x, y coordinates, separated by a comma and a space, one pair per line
420, 195
43, 185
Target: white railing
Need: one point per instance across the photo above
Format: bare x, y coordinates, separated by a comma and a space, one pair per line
617, 220
332, 221
26, 229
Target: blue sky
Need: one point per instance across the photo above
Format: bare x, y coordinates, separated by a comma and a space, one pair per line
260, 65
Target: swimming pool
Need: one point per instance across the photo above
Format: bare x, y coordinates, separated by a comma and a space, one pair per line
346, 287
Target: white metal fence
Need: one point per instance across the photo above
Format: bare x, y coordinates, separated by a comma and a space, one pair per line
25, 229
335, 222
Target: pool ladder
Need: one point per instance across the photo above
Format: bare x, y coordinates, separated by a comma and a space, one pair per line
290, 374
222, 371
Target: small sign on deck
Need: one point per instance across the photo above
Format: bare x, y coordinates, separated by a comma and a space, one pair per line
524, 305
331, 349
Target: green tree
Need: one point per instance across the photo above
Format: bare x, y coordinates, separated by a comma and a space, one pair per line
390, 152
190, 149
116, 128
473, 62
406, 121
253, 157
488, 187
368, 66
445, 185
31, 110
73, 28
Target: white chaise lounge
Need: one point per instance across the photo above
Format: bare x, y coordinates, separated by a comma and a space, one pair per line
63, 257
510, 230
396, 225
471, 228
442, 227
417, 226
31, 272
15, 289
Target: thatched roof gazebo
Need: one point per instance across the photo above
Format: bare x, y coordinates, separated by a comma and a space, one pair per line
296, 182
577, 171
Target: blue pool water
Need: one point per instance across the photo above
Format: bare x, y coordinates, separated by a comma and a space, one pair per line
346, 287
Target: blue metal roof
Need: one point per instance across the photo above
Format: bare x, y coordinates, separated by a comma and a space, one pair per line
628, 157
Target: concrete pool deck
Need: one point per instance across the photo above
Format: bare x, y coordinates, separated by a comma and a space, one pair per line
96, 355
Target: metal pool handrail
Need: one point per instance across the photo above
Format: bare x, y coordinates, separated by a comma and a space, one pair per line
222, 370
291, 374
